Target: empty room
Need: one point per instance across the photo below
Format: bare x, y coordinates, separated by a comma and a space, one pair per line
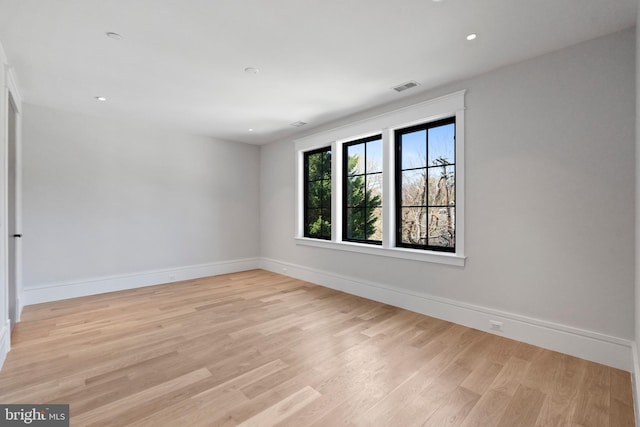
299, 213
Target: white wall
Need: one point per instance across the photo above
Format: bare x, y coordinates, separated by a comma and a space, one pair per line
111, 201
550, 198
636, 365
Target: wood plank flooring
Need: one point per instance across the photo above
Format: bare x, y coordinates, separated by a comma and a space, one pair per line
260, 349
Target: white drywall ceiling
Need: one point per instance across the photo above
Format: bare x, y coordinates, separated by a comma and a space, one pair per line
180, 64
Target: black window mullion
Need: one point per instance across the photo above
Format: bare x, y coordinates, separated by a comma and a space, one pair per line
398, 185
345, 189
426, 185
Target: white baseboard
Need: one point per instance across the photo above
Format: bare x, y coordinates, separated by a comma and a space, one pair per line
5, 341
20, 306
60, 291
594, 346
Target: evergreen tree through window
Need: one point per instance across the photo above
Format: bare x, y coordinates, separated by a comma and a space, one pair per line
362, 190
317, 193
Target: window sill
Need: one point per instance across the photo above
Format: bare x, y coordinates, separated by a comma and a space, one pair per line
410, 254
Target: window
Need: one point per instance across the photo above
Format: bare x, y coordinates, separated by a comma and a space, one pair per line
317, 193
390, 185
362, 190
426, 186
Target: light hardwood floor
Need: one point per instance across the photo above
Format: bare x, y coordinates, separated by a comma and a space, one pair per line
260, 349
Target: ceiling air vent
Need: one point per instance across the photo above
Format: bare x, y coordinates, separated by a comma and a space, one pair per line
405, 86
298, 124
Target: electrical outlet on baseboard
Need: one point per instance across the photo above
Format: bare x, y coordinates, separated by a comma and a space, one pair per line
494, 325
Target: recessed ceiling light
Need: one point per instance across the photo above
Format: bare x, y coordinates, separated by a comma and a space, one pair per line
101, 98
250, 130
251, 70
472, 36
114, 36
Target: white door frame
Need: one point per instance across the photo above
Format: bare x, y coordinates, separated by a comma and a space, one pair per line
13, 94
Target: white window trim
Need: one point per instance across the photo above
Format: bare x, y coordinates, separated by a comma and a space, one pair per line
386, 124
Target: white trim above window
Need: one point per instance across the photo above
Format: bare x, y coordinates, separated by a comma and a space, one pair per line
451, 105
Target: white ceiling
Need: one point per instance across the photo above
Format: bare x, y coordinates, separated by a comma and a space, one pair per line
180, 63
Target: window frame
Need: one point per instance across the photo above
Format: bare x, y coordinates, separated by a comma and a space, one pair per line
345, 180
306, 155
451, 105
398, 170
